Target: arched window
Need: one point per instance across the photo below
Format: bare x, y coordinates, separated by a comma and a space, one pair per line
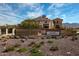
57, 21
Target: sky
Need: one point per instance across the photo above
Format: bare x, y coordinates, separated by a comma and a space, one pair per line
14, 13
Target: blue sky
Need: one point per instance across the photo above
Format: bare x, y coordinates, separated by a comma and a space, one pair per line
11, 13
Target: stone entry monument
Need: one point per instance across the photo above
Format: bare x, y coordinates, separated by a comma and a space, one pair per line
7, 30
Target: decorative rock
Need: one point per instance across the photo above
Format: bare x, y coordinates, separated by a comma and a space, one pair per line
68, 53
39, 50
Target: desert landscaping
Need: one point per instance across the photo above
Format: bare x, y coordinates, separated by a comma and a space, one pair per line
40, 46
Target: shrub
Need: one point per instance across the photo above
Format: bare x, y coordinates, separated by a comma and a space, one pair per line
11, 37
3, 36
9, 49
3, 44
69, 31
16, 45
4, 40
22, 40
42, 37
22, 50
31, 37
32, 43
41, 42
50, 41
37, 46
74, 38
54, 48
48, 37
35, 52
16, 37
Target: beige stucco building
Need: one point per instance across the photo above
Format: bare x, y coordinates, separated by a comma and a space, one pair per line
47, 23
44, 22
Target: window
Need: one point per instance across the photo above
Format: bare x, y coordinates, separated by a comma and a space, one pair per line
46, 26
10, 30
57, 22
45, 21
3, 31
57, 26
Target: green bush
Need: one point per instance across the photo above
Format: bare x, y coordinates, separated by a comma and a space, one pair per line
50, 41
30, 24
9, 49
32, 43
22, 50
16, 45
49, 37
54, 48
36, 52
41, 42
37, 46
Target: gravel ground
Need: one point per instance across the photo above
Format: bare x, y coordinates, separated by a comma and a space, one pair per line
66, 47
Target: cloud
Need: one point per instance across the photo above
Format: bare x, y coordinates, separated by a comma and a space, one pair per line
7, 15
5, 19
29, 9
34, 14
30, 6
52, 10
56, 5
56, 9
33, 5
13, 16
49, 16
15, 13
37, 11
71, 17
59, 5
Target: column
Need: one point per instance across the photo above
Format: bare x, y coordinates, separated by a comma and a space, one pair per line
13, 31
0, 31
6, 31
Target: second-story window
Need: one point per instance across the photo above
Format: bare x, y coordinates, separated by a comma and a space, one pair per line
57, 21
45, 21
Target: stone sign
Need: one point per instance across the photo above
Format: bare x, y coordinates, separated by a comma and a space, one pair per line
53, 33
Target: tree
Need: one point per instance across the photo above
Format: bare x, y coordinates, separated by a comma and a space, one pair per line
30, 24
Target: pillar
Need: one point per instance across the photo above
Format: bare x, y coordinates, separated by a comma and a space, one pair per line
0, 31
6, 31
13, 31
